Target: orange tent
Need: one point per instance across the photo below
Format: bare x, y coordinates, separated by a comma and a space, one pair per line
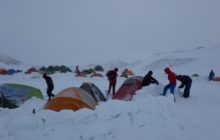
127, 73
71, 98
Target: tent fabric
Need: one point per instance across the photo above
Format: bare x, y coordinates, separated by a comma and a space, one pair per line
29, 71
11, 71
88, 71
17, 94
96, 75
217, 79
99, 68
53, 69
94, 91
128, 88
5, 103
3, 72
81, 75
127, 73
71, 98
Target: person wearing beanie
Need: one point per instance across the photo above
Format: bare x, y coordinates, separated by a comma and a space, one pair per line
186, 82
172, 81
148, 79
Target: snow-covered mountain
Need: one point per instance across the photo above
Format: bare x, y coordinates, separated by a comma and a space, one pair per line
147, 116
7, 60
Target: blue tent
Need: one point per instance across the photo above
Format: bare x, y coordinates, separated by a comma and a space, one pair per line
13, 95
11, 71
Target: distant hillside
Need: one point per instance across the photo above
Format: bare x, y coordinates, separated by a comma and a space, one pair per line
7, 60
109, 65
181, 61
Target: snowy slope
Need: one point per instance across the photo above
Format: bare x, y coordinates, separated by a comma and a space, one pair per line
7, 60
147, 116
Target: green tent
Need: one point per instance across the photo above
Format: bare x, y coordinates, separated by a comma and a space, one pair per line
53, 69
13, 95
88, 71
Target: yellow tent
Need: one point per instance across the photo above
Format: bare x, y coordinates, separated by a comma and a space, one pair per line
127, 73
71, 98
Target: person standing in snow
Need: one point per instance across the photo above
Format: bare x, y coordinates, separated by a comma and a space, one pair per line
50, 85
148, 79
211, 75
77, 71
172, 81
186, 82
112, 78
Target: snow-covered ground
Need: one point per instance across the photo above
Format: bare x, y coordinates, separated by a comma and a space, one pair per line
147, 116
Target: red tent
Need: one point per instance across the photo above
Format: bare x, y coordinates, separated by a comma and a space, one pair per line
217, 79
3, 72
128, 88
29, 71
96, 75
81, 75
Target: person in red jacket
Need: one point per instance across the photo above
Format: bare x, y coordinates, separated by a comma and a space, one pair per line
112, 78
172, 81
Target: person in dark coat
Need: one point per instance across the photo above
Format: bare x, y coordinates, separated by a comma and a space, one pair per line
172, 81
77, 71
112, 78
148, 79
211, 75
50, 85
186, 82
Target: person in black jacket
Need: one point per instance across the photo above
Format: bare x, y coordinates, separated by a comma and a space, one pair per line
112, 78
211, 75
50, 85
186, 82
148, 79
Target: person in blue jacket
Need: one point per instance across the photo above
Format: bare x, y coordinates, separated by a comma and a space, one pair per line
211, 75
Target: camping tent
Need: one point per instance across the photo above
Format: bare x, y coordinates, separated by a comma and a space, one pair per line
128, 88
127, 73
30, 70
217, 79
81, 75
53, 69
71, 98
96, 75
11, 71
3, 72
99, 68
88, 71
94, 91
12, 95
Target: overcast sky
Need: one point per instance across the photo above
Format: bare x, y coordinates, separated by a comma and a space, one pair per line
95, 31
